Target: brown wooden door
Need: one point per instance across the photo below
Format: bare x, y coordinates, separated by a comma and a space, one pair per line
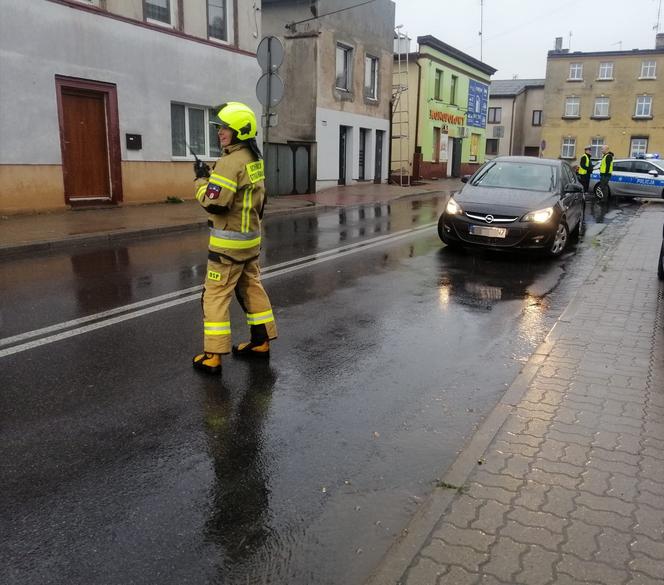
85, 146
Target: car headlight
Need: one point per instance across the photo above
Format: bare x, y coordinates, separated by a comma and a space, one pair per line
539, 216
453, 208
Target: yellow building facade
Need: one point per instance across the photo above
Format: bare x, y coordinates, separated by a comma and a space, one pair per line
614, 98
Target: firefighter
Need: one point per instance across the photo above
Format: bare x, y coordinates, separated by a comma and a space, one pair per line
233, 194
585, 168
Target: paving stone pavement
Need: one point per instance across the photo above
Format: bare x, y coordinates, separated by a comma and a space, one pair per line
570, 490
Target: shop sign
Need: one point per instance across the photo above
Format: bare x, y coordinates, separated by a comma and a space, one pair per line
447, 117
478, 98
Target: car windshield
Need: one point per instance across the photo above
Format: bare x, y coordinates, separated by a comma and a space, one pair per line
517, 175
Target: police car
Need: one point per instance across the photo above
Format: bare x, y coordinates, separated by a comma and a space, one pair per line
633, 177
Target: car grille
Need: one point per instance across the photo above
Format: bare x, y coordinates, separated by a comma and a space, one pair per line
496, 218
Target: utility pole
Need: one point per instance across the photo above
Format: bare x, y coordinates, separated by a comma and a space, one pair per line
659, 12
482, 26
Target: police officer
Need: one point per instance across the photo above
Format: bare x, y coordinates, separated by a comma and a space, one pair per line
585, 168
605, 170
233, 194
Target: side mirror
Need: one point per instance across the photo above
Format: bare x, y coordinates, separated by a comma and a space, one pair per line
653, 173
573, 188
465, 178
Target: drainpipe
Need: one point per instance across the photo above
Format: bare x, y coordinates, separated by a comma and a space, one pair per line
417, 109
512, 125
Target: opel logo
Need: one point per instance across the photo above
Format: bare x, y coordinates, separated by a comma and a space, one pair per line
489, 219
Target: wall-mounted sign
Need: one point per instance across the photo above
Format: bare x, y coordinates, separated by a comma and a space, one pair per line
447, 117
478, 99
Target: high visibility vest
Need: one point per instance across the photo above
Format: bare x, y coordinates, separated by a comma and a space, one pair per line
582, 170
603, 168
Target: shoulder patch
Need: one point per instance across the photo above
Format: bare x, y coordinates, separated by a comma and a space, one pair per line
213, 191
256, 171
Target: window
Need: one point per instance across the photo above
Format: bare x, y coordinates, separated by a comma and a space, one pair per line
643, 106
371, 77
492, 146
605, 71
438, 85
601, 109
190, 125
568, 149
217, 14
160, 11
567, 174
495, 115
343, 67
648, 69
642, 167
638, 146
596, 147
537, 117
453, 89
625, 166
572, 107
575, 71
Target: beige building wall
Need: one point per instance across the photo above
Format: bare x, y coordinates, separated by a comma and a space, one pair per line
622, 90
534, 100
493, 129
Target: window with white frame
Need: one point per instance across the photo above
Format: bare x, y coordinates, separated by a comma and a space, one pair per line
643, 106
190, 125
344, 55
160, 11
596, 147
568, 149
648, 69
638, 146
572, 107
605, 71
371, 77
575, 71
601, 109
217, 14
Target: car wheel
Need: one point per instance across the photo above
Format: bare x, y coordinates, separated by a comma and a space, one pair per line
660, 265
560, 239
599, 193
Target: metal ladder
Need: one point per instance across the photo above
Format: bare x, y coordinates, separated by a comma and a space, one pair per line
400, 165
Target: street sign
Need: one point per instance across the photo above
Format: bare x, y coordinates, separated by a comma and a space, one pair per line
269, 89
270, 54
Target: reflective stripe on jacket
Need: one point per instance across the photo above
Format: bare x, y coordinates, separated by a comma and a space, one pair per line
233, 196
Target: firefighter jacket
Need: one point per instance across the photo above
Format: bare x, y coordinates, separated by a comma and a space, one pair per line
606, 166
585, 165
233, 196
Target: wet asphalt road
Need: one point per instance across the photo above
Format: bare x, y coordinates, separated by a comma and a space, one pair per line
120, 464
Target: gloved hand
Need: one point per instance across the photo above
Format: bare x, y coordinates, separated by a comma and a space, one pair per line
201, 170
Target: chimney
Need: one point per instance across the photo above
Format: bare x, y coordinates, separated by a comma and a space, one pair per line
559, 44
659, 41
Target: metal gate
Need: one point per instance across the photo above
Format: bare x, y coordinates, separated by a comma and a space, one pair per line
287, 169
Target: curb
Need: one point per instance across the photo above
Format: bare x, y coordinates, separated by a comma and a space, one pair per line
400, 555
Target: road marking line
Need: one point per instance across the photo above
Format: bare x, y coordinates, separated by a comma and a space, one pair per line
166, 301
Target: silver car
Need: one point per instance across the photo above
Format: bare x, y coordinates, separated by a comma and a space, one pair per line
633, 177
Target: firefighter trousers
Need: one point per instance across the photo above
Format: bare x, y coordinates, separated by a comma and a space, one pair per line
225, 278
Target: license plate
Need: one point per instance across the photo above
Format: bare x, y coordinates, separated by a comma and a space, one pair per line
487, 232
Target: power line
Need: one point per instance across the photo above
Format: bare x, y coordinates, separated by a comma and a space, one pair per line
292, 25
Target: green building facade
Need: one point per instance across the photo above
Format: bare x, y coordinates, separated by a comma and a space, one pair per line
448, 95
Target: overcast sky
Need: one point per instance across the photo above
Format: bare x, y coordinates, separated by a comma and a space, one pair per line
518, 33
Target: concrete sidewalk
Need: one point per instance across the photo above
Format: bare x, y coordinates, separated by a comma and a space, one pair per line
70, 228
564, 482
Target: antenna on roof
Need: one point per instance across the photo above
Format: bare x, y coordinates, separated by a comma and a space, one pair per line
659, 12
